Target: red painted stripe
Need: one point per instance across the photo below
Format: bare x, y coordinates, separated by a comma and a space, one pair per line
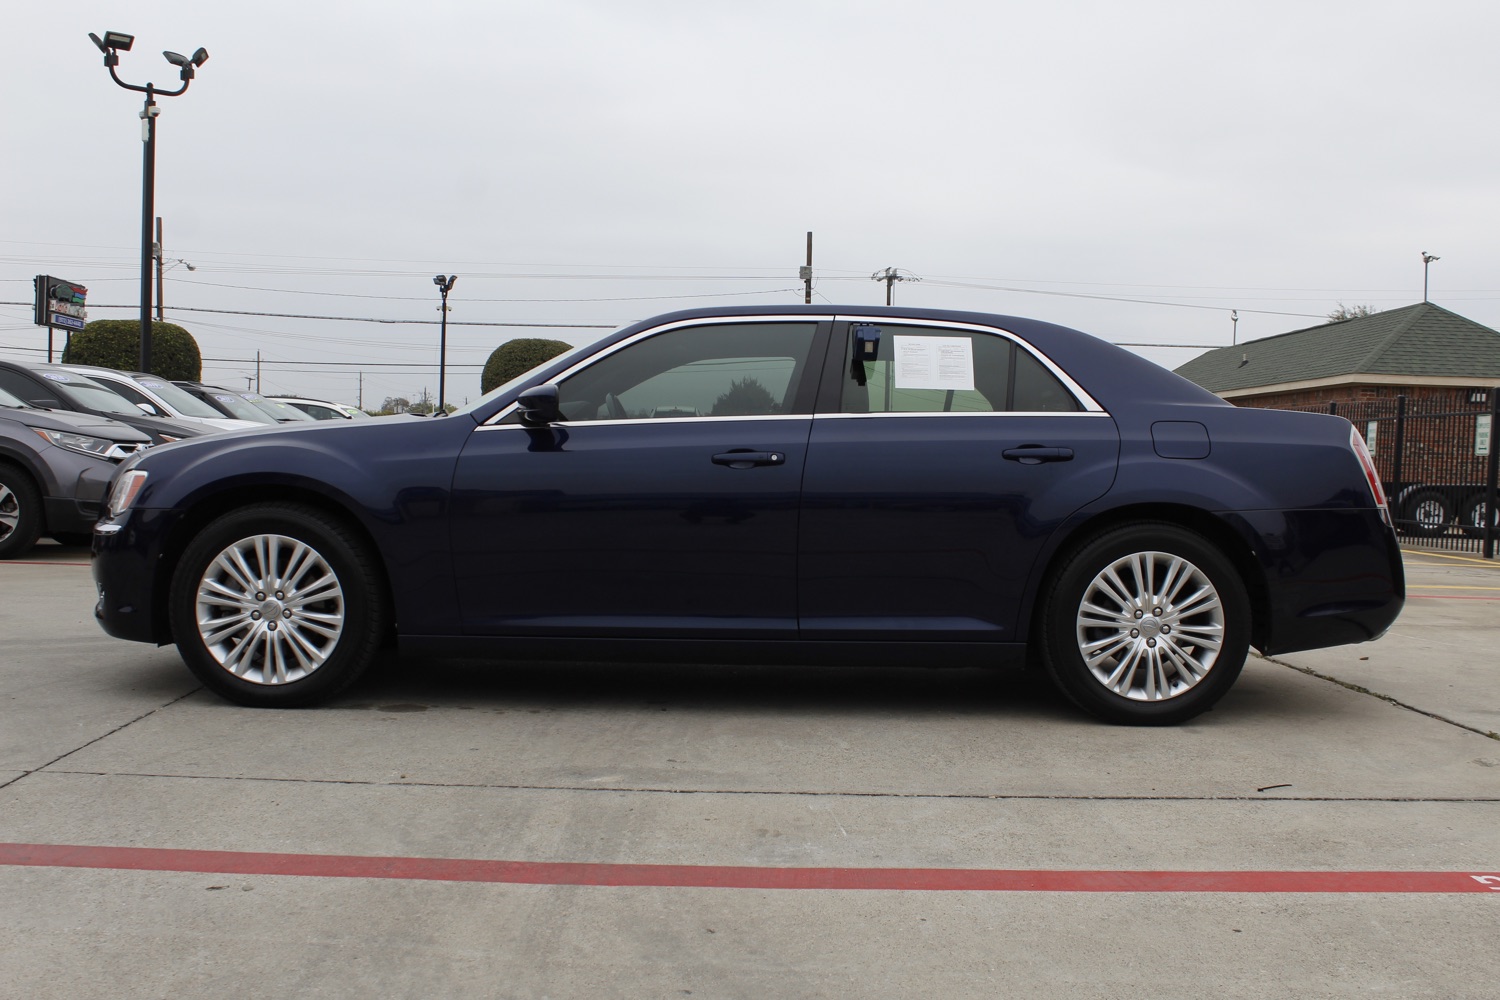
735, 877
38, 562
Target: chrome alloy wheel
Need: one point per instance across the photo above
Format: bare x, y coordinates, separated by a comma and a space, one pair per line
1150, 626
10, 511
270, 609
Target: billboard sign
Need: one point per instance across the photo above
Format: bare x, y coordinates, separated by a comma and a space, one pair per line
60, 302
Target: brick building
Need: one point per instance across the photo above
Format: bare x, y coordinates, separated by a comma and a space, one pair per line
1422, 352
1418, 382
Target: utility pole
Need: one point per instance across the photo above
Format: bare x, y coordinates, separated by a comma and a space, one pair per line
257, 371
1234, 319
160, 255
806, 274
890, 276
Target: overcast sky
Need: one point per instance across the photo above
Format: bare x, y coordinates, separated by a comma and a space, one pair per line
1136, 170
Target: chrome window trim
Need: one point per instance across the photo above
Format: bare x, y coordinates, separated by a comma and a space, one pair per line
967, 414
655, 421
665, 328
1087, 401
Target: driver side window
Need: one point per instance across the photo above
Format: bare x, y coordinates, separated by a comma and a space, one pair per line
739, 369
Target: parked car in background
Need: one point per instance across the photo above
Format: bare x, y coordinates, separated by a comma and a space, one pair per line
862, 485
227, 402
157, 397
55, 466
322, 409
59, 387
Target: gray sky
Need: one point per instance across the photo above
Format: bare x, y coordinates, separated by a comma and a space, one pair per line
1135, 170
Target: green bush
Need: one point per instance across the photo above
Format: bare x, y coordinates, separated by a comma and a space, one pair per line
516, 357
116, 343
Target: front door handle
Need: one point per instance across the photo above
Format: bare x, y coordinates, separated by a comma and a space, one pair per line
1035, 454
749, 459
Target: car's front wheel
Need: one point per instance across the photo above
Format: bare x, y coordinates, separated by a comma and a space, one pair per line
20, 512
1146, 624
277, 605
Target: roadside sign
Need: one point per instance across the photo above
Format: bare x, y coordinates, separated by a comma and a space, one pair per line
1482, 434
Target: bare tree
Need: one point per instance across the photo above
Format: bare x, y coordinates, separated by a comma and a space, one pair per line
1344, 312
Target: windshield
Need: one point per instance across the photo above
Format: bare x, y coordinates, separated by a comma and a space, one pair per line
281, 411
6, 399
238, 407
180, 400
86, 394
523, 378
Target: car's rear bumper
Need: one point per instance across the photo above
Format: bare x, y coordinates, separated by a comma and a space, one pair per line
1332, 577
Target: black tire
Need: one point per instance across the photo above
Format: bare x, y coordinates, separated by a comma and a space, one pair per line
267, 648
1426, 514
20, 511
1153, 659
1471, 516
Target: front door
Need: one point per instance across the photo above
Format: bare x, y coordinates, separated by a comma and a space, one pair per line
663, 505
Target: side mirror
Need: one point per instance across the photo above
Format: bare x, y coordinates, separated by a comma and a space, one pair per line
149, 410
538, 406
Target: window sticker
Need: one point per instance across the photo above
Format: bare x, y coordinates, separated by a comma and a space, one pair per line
56, 377
934, 362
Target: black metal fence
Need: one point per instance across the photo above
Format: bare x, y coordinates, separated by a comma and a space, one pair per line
1436, 461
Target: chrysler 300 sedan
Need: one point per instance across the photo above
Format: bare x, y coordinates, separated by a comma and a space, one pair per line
800, 484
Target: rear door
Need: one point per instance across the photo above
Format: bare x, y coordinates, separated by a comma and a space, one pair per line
941, 459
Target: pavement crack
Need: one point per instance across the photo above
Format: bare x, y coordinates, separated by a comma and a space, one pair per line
787, 793
102, 736
1360, 689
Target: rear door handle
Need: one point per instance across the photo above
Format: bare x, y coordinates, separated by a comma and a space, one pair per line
1035, 454
749, 459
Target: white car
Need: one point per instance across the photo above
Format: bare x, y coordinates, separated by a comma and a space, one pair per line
157, 397
322, 409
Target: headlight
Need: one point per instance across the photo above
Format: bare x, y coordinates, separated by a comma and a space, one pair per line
84, 444
127, 487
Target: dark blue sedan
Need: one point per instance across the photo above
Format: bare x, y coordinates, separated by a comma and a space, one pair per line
857, 485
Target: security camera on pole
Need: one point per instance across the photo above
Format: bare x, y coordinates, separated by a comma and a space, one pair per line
112, 44
445, 285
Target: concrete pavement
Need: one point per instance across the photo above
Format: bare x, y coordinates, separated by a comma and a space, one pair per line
111, 745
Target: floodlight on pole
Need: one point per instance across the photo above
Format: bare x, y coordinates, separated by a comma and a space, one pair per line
112, 44
1427, 259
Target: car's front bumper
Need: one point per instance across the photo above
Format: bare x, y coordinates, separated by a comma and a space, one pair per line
127, 569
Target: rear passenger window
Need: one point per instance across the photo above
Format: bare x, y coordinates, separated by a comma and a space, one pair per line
941, 370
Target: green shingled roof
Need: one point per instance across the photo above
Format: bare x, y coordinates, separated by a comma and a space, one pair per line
1423, 340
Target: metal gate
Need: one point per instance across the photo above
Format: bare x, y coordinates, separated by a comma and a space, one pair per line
1437, 463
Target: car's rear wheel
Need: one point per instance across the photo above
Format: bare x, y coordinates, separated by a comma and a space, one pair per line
1146, 624
20, 512
277, 605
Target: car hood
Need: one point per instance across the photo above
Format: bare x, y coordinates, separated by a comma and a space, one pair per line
77, 423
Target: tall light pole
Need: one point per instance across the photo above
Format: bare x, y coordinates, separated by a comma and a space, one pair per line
445, 285
112, 44
1427, 260
890, 276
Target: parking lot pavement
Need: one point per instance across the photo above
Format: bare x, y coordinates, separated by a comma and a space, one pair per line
1324, 763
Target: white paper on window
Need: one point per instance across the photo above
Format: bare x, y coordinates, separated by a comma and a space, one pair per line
934, 362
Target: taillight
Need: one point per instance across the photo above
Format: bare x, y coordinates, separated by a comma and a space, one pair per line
1371, 476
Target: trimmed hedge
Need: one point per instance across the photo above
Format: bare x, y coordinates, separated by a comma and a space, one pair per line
516, 357
116, 343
